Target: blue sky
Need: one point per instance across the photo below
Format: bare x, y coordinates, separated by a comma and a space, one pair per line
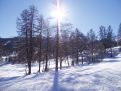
83, 14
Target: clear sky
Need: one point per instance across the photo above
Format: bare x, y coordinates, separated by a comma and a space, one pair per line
83, 14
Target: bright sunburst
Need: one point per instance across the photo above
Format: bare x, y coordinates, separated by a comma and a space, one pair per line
58, 12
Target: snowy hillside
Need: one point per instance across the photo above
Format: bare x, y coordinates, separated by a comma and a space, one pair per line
104, 76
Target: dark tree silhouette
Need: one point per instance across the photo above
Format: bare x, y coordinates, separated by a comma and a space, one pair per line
26, 26
119, 35
91, 41
40, 29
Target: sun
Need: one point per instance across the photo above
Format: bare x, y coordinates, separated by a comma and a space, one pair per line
58, 13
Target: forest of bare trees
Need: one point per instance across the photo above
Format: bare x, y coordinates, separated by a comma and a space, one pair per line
38, 41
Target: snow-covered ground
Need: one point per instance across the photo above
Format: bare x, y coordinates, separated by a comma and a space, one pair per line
104, 76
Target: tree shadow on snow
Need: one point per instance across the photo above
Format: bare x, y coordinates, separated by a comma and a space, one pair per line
55, 82
56, 86
4, 79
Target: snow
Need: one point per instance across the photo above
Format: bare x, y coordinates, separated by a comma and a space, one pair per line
104, 76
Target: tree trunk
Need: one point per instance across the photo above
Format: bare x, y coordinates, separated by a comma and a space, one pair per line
57, 46
92, 52
47, 51
61, 62
111, 52
77, 57
67, 61
82, 58
40, 52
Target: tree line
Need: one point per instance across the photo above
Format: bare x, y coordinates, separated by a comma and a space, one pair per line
37, 42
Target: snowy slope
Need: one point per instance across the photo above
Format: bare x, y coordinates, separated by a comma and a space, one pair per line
105, 76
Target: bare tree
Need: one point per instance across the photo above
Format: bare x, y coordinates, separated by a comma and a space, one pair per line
110, 39
65, 47
119, 35
40, 28
77, 45
103, 36
26, 25
1, 49
47, 45
92, 39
